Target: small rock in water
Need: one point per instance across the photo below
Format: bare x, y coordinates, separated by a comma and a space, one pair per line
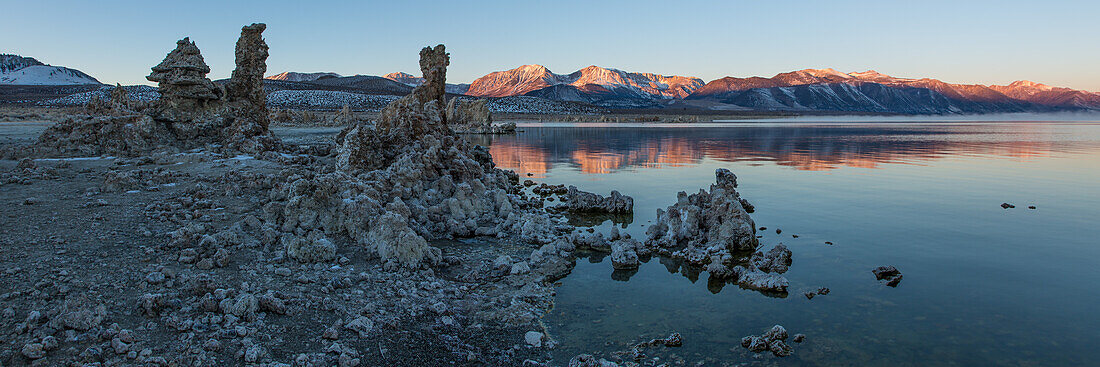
763, 228
889, 273
798, 338
828, 243
30, 201
819, 292
794, 235
884, 272
1007, 205
1031, 207
533, 338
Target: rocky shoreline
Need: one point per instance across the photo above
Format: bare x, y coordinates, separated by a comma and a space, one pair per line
184, 232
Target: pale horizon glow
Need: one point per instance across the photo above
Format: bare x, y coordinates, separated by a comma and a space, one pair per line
973, 42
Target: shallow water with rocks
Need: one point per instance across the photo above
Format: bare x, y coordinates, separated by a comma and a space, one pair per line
982, 285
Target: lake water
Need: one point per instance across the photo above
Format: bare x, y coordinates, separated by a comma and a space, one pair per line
982, 285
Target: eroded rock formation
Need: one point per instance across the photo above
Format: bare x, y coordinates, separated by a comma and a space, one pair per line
192, 110
706, 219
246, 100
407, 179
713, 230
188, 100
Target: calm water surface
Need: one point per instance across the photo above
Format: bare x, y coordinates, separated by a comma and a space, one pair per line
982, 286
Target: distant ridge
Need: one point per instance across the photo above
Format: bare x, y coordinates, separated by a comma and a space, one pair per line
292, 76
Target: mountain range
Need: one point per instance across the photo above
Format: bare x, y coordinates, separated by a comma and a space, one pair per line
871, 91
808, 90
802, 90
292, 76
593, 84
19, 70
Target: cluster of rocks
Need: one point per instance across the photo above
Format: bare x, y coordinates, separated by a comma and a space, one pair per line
587, 202
544, 189
192, 110
774, 340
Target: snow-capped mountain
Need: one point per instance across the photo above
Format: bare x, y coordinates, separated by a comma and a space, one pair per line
19, 70
593, 84
293, 76
410, 80
1046, 95
871, 91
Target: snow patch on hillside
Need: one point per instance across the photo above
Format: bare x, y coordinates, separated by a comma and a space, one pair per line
46, 75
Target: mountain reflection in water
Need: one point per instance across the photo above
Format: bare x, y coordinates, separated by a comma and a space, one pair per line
606, 149
983, 285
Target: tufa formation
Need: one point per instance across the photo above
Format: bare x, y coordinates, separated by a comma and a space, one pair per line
192, 111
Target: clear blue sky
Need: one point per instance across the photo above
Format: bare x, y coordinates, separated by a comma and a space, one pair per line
1053, 42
